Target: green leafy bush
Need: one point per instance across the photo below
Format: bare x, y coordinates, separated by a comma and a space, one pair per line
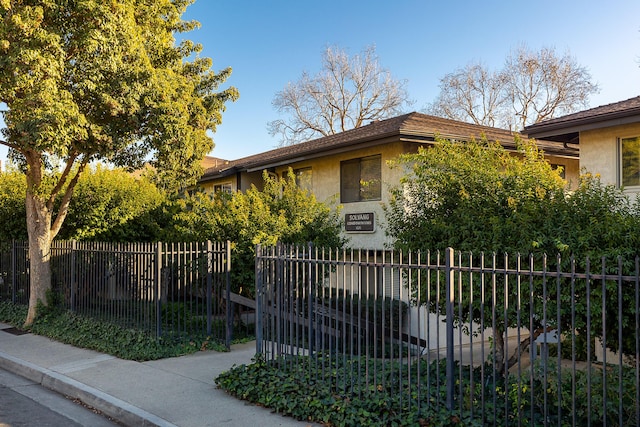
105, 337
13, 187
111, 205
280, 212
477, 197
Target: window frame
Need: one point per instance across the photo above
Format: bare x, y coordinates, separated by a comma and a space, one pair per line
621, 162
223, 187
347, 192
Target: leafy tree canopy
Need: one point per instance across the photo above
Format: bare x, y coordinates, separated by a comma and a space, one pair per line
100, 80
104, 80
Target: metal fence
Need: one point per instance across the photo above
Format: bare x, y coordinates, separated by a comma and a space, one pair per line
495, 340
161, 288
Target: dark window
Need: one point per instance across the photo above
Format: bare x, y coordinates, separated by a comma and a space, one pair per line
360, 179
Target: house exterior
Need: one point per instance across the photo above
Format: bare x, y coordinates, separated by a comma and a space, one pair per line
608, 137
351, 168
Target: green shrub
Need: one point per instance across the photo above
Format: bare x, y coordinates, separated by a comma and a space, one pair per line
13, 188
111, 205
280, 212
335, 392
13, 314
476, 196
106, 337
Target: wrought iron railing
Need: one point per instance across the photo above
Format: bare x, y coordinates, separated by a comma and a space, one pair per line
523, 340
161, 288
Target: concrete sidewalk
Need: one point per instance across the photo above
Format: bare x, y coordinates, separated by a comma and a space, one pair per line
179, 391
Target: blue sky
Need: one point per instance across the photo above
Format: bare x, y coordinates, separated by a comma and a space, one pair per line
269, 43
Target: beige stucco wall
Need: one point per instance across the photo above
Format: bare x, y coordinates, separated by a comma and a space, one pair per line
325, 178
571, 167
599, 152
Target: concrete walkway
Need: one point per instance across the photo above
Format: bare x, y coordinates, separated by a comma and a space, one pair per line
178, 391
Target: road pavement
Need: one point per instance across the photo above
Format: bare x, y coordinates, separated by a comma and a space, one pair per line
25, 403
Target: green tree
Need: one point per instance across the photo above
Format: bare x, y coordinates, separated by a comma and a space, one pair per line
13, 188
91, 80
476, 197
112, 205
281, 212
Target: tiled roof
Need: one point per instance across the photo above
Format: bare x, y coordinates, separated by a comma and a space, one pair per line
413, 127
617, 110
212, 162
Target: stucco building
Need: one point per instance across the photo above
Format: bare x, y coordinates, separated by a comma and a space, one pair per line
351, 168
608, 137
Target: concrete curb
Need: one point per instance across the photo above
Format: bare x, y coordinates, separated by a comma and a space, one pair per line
117, 409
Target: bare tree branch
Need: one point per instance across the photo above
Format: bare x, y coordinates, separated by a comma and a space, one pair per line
347, 93
472, 94
532, 86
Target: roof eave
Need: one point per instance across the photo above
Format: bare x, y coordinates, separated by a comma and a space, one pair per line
339, 149
542, 130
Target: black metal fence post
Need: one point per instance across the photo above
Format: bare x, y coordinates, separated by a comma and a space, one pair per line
13, 272
158, 280
227, 275
450, 382
258, 296
209, 280
74, 285
278, 296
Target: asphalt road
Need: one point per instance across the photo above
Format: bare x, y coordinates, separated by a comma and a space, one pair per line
24, 403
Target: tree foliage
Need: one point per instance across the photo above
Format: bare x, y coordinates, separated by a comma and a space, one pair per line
347, 93
111, 205
476, 197
531, 87
93, 80
472, 196
281, 212
13, 188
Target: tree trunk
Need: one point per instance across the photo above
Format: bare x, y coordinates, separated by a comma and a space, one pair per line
39, 230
